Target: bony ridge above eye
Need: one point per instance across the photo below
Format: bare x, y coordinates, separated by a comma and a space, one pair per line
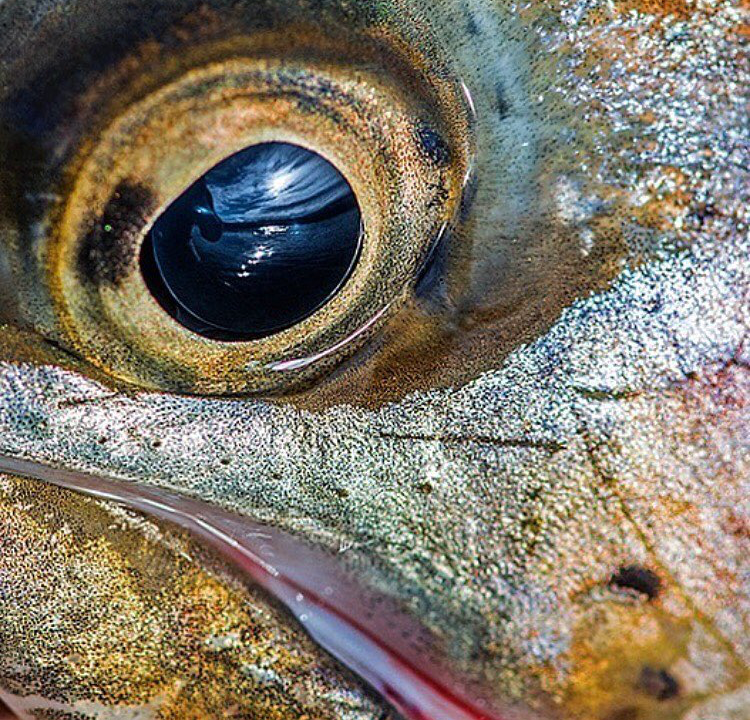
381, 161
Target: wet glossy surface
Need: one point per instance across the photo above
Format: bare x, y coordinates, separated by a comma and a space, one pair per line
540, 456
256, 245
391, 651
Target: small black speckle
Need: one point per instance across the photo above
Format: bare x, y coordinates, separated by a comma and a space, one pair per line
36, 421
638, 578
156, 444
656, 305
53, 714
704, 212
102, 440
658, 683
501, 100
225, 461
343, 493
433, 145
425, 488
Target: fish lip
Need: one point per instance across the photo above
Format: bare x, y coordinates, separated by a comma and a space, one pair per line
390, 651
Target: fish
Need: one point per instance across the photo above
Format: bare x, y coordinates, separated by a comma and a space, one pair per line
502, 473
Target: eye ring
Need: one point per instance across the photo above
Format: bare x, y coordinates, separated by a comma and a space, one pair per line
371, 131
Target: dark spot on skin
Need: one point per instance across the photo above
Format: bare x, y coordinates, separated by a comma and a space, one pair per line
433, 145
36, 421
501, 100
658, 683
471, 25
109, 249
638, 578
628, 713
737, 526
703, 214
656, 306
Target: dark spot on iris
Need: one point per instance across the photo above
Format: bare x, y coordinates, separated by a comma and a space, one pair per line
501, 101
110, 245
256, 245
637, 578
433, 145
658, 683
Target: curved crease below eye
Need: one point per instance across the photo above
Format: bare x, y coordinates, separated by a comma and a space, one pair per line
327, 602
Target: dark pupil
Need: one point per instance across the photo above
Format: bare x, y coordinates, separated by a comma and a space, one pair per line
257, 244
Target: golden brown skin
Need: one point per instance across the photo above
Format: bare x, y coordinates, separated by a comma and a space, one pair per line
541, 450
145, 619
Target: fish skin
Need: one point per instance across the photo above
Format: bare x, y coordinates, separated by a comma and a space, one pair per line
503, 504
106, 613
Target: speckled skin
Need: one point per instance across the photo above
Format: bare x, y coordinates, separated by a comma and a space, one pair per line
543, 450
124, 614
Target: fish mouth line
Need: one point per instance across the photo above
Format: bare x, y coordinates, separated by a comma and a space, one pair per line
315, 590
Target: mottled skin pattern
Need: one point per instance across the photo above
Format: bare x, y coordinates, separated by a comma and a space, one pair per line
543, 451
143, 619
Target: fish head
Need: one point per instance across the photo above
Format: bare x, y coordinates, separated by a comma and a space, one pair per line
509, 458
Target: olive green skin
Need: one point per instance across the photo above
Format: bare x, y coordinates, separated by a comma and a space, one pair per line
542, 452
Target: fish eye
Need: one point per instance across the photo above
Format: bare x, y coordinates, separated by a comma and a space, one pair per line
256, 245
250, 212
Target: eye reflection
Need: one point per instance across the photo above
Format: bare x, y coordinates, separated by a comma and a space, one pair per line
256, 245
